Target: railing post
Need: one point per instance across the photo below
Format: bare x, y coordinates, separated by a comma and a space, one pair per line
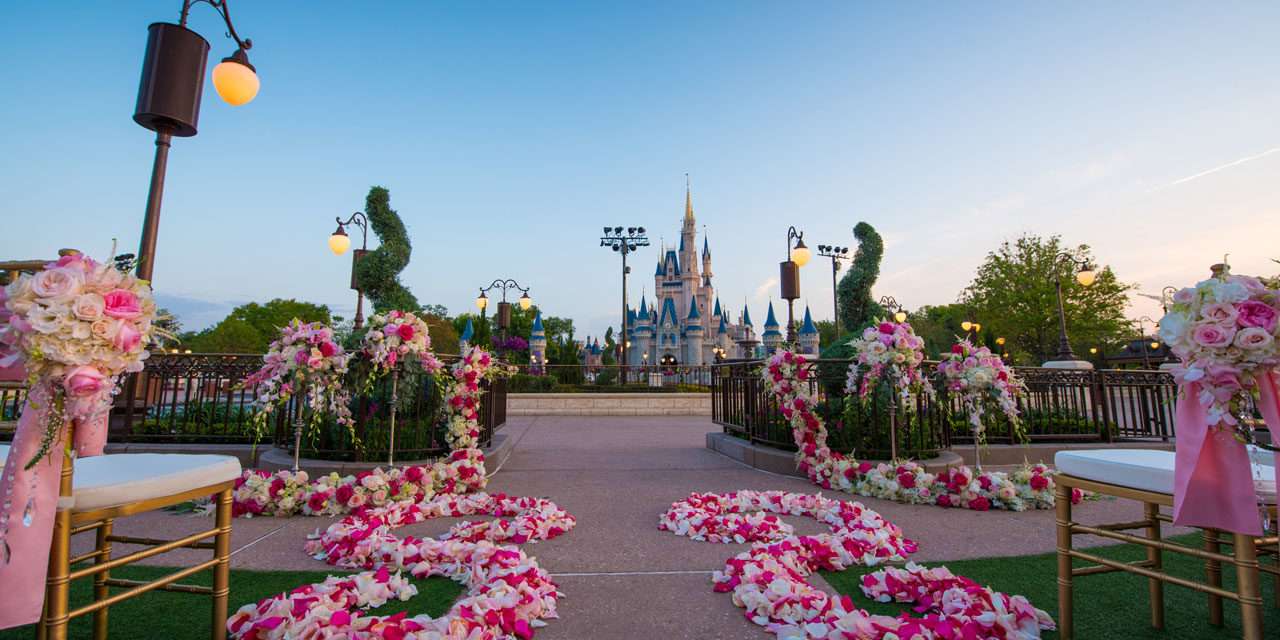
1099, 392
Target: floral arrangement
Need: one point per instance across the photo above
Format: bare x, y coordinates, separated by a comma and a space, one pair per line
887, 351
770, 581
394, 336
977, 376
462, 396
75, 326
304, 358
1224, 330
959, 487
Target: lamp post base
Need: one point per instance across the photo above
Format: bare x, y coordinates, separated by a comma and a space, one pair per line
1067, 364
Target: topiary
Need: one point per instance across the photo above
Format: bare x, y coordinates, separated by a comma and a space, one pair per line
378, 272
857, 308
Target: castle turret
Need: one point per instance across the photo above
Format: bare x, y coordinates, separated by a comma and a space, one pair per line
464, 340
706, 263
642, 343
537, 342
808, 334
772, 336
693, 336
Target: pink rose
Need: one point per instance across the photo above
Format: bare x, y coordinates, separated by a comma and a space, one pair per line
122, 303
84, 381
1220, 312
327, 349
1253, 338
1256, 314
61, 283
1039, 482
127, 336
405, 331
886, 327
1184, 296
1212, 334
980, 504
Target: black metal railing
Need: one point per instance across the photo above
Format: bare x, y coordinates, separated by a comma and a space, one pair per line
195, 399
1060, 406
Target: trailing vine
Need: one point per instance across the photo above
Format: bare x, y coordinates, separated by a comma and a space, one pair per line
378, 273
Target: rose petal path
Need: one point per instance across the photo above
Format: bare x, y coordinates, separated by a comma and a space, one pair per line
622, 577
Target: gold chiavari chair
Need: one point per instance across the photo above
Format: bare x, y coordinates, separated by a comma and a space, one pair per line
1147, 476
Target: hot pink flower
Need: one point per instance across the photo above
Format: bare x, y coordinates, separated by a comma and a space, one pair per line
121, 303
84, 381
406, 332
1256, 314
328, 349
886, 327
980, 504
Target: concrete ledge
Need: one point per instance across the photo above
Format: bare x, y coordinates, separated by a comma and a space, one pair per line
609, 404
784, 462
1016, 454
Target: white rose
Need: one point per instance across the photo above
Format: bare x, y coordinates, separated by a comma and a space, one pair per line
44, 319
88, 306
58, 284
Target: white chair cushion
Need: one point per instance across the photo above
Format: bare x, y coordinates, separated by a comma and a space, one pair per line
122, 478
1143, 469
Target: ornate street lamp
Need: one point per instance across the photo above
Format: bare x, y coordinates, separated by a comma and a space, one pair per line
504, 307
169, 100
339, 242
797, 257
1085, 275
892, 306
837, 254
1146, 346
624, 244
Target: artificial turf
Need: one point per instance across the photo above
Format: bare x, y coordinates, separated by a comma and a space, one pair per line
1111, 605
177, 616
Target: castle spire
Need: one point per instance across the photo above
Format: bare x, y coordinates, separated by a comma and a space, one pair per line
688, 199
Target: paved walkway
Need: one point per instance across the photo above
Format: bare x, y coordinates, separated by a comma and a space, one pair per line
622, 577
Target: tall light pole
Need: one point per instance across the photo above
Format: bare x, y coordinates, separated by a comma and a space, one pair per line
624, 244
504, 307
789, 272
837, 255
1085, 275
1147, 346
339, 242
169, 100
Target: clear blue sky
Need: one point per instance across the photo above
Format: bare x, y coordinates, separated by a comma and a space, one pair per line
510, 133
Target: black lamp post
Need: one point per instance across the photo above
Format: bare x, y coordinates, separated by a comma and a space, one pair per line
1147, 345
896, 310
1085, 276
789, 272
339, 242
169, 100
837, 254
624, 244
504, 307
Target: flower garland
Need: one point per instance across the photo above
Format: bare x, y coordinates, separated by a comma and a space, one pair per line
976, 376
771, 582
394, 336
887, 351
462, 397
1029, 487
305, 357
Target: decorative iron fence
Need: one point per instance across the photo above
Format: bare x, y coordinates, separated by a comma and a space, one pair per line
1061, 405
613, 378
193, 398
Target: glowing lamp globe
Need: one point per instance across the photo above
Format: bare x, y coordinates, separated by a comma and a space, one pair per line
482, 301
339, 242
1086, 276
966, 325
1155, 346
900, 316
800, 255
235, 79
525, 302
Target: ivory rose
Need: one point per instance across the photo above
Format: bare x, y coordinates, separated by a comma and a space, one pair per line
122, 303
1253, 338
84, 381
88, 306
60, 284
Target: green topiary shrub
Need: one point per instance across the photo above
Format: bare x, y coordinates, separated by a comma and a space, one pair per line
857, 307
378, 273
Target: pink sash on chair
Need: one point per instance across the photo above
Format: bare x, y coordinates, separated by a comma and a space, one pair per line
32, 499
1213, 476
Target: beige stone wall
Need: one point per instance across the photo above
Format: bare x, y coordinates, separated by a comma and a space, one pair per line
609, 404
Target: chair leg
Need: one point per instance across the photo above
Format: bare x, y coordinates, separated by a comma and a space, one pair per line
1213, 575
1249, 586
1062, 502
58, 583
222, 570
1155, 586
100, 589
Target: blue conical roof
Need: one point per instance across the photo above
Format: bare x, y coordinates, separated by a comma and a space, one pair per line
717, 311
468, 331
706, 248
537, 323
746, 317
724, 326
644, 311
808, 328
693, 310
668, 312
771, 321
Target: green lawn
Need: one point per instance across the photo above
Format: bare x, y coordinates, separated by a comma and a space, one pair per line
1112, 605
176, 616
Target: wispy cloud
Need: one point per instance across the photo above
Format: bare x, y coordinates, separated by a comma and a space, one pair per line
765, 288
1216, 169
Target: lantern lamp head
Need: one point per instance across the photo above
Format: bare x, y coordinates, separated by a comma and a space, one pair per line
235, 80
339, 242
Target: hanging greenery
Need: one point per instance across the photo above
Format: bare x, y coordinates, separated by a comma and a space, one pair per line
378, 273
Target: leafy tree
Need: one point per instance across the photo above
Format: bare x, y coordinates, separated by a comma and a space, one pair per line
378, 273
444, 337
826, 333
939, 325
250, 328
481, 329
857, 307
1013, 296
437, 310
609, 346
